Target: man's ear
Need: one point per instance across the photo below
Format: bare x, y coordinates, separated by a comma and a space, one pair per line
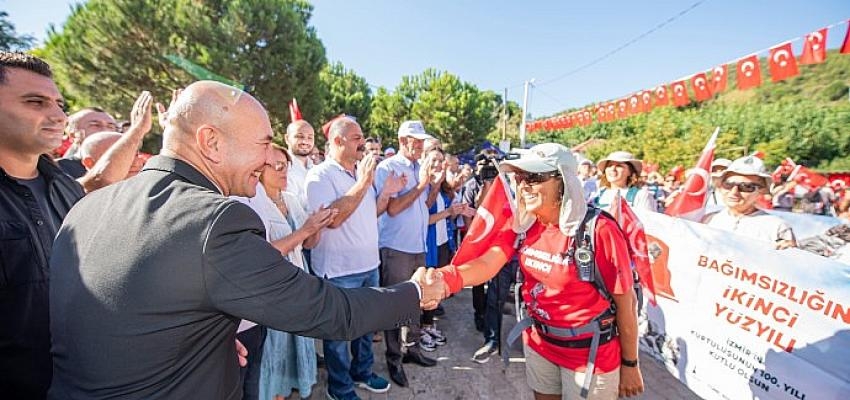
88, 162
209, 140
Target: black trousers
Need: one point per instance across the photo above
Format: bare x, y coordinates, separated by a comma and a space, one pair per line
252, 339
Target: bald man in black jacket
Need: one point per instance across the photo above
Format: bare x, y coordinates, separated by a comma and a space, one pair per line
151, 276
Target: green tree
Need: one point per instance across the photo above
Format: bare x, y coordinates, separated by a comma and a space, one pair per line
108, 51
345, 92
456, 112
9, 39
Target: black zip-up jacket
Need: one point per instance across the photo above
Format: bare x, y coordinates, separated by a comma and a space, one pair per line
25, 243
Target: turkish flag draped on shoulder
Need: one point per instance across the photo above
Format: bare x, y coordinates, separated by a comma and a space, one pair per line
749, 73
492, 224
845, 47
636, 238
814, 48
690, 203
782, 63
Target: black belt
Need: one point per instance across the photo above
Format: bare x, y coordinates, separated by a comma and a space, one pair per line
608, 333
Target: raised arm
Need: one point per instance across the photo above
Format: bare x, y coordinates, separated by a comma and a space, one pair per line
116, 162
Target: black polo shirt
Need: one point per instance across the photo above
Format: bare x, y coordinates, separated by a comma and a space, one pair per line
27, 230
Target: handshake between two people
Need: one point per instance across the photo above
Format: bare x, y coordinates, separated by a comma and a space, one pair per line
433, 286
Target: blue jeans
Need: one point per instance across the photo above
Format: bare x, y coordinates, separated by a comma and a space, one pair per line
342, 369
497, 293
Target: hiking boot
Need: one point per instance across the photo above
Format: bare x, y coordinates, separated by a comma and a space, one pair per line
483, 354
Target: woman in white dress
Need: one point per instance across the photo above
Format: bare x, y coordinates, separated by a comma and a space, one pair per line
288, 361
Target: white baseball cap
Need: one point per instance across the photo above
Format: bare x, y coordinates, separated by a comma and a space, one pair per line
413, 129
748, 166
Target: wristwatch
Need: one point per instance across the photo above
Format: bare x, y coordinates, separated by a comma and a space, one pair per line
629, 363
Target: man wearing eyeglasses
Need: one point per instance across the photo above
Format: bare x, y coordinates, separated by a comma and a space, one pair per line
740, 187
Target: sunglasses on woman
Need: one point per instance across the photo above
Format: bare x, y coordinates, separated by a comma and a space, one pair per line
743, 187
533, 178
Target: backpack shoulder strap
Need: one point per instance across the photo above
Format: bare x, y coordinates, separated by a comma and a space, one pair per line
631, 194
586, 237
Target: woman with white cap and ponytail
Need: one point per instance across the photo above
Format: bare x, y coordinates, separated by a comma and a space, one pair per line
577, 283
621, 173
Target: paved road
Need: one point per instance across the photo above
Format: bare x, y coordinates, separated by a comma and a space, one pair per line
457, 377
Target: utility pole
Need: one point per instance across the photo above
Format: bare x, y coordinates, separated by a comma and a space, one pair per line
505, 115
524, 113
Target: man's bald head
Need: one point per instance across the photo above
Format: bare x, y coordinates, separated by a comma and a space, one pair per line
210, 103
300, 138
347, 144
91, 120
222, 131
96, 144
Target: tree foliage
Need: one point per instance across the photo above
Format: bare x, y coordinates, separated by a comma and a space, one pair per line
110, 50
806, 118
345, 92
456, 112
9, 39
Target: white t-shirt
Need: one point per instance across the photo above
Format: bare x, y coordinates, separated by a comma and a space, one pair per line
758, 225
295, 178
643, 199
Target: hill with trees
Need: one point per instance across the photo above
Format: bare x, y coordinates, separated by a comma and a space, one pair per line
806, 118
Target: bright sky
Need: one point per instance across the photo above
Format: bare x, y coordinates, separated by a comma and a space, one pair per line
499, 44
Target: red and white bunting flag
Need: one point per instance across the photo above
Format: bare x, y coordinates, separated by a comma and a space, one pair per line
601, 114
492, 224
749, 73
700, 85
636, 238
718, 79
612, 111
635, 106
845, 47
622, 108
680, 94
814, 48
588, 116
661, 98
782, 63
646, 100
690, 203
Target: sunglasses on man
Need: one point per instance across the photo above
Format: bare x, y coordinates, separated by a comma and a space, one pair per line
743, 187
534, 178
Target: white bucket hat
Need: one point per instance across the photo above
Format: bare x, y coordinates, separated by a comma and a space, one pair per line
413, 129
748, 166
623, 157
551, 157
720, 162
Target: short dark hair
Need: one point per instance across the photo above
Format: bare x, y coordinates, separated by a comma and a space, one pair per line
17, 59
372, 139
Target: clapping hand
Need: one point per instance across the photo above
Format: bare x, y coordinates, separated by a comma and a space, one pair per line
141, 117
367, 166
394, 183
320, 219
462, 209
162, 112
433, 287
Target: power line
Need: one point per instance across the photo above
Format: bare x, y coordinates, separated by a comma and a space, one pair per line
624, 45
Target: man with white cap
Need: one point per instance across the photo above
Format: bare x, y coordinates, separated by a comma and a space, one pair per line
740, 187
402, 233
576, 323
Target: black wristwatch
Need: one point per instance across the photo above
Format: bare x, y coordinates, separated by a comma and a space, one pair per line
629, 363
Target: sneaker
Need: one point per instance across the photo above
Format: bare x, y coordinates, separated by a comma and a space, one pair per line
426, 342
374, 384
348, 396
435, 334
483, 354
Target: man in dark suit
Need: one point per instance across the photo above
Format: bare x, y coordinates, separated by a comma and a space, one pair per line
151, 275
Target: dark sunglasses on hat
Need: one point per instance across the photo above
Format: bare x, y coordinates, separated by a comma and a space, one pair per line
743, 187
533, 178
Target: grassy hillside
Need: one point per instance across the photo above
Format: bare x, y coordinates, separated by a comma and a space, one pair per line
806, 118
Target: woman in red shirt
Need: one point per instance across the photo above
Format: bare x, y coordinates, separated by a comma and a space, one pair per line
550, 210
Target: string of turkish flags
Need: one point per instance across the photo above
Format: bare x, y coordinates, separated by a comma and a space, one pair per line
782, 64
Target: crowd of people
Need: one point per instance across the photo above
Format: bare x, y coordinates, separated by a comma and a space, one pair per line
209, 269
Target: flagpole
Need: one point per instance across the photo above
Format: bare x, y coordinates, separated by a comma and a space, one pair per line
524, 113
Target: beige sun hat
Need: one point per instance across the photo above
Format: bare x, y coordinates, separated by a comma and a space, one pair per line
551, 157
748, 166
720, 162
623, 157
